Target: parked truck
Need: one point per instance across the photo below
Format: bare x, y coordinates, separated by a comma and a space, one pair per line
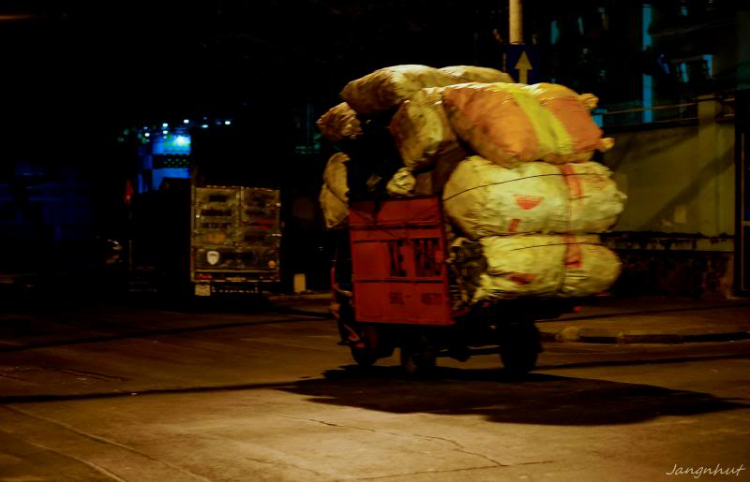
207, 240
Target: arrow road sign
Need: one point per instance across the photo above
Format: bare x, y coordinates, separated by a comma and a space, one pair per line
522, 63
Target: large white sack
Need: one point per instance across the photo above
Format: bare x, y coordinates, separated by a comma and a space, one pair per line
422, 132
335, 176
402, 184
474, 73
387, 88
339, 122
545, 266
485, 199
334, 196
335, 211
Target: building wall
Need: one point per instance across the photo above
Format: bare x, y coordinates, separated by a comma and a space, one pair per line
679, 180
676, 235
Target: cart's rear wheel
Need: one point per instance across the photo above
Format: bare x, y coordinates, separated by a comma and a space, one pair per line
418, 357
520, 348
363, 356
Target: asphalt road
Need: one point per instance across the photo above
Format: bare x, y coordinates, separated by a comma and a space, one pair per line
135, 394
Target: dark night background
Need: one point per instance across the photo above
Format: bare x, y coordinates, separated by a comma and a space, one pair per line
76, 75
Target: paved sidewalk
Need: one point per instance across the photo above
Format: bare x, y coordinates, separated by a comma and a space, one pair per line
652, 320
616, 320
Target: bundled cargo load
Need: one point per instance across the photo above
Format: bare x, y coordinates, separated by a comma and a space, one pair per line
544, 266
510, 162
334, 195
484, 199
339, 123
387, 88
572, 111
472, 73
422, 132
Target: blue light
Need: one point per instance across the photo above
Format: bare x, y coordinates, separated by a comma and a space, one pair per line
648, 92
186, 121
555, 33
147, 134
646, 26
227, 122
171, 145
709, 59
648, 98
165, 124
204, 126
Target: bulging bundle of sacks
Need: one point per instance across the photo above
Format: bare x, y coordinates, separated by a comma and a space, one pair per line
511, 162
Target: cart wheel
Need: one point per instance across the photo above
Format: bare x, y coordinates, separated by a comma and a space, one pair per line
520, 348
363, 356
418, 358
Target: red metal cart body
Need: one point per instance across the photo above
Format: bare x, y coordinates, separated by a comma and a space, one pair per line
398, 260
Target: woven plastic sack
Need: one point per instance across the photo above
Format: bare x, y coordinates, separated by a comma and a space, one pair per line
422, 132
339, 123
473, 73
334, 196
572, 111
335, 176
388, 88
335, 211
402, 184
502, 122
545, 266
484, 199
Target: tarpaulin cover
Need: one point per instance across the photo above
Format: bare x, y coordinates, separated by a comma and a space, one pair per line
474, 73
485, 199
387, 88
422, 132
545, 266
339, 123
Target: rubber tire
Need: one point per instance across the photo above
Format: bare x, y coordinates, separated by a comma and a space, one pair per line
417, 359
364, 357
520, 348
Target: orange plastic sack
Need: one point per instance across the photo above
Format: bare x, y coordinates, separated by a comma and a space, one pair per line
572, 111
500, 121
473, 73
387, 88
339, 123
422, 132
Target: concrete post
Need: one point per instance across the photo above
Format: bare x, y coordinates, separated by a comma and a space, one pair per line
516, 22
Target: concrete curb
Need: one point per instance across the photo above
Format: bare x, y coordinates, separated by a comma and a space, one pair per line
572, 334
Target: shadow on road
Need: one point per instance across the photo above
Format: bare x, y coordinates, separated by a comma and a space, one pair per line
539, 399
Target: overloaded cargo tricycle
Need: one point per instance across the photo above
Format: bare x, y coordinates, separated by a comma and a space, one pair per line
393, 287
